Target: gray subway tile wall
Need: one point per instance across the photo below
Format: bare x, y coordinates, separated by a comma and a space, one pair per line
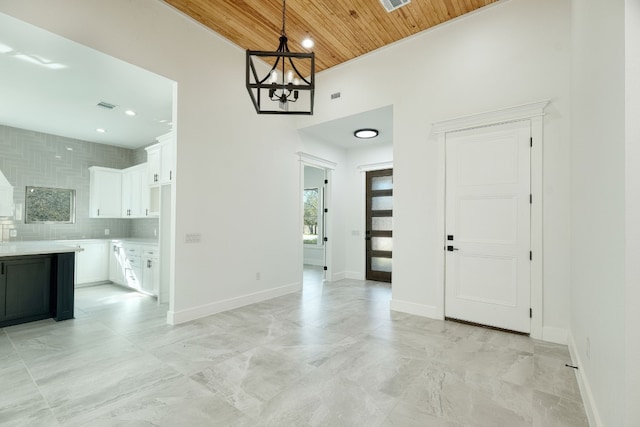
29, 158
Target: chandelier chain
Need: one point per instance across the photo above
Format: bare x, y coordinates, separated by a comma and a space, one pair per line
283, 16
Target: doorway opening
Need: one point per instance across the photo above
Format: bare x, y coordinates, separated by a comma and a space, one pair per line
314, 225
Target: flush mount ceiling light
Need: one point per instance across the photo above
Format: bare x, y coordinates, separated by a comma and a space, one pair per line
100, 130
366, 133
130, 113
284, 89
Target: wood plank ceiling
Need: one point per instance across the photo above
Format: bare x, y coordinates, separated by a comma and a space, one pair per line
342, 29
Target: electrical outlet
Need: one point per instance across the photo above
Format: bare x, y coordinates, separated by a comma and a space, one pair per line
588, 351
106, 231
13, 233
192, 238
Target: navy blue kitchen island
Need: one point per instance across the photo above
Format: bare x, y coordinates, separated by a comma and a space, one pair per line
36, 281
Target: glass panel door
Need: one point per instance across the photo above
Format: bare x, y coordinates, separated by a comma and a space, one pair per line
379, 221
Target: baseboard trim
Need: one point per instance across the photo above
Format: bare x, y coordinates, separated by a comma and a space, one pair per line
338, 276
585, 390
417, 309
354, 275
555, 335
182, 316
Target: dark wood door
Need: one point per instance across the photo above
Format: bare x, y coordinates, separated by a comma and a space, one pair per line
379, 223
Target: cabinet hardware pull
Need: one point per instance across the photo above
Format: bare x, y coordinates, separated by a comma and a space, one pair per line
98, 212
170, 175
148, 263
2, 269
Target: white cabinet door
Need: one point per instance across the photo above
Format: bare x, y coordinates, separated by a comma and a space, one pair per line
105, 192
116, 263
160, 159
153, 162
166, 162
135, 192
150, 275
92, 264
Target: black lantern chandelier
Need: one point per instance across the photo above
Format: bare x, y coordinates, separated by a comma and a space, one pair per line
284, 90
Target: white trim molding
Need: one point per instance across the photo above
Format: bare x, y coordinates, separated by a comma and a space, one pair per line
534, 114
511, 114
177, 317
416, 309
589, 402
375, 166
311, 160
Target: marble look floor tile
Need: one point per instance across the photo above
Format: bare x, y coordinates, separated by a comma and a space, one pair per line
21, 403
478, 401
321, 400
330, 355
553, 377
251, 379
196, 354
176, 402
554, 411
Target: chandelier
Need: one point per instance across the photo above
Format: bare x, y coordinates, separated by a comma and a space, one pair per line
287, 88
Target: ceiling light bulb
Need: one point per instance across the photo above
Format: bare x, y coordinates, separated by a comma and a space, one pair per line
130, 113
296, 81
365, 133
307, 42
289, 76
274, 76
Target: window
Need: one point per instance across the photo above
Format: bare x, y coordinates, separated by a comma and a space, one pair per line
50, 205
312, 228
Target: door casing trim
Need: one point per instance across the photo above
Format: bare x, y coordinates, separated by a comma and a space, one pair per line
534, 114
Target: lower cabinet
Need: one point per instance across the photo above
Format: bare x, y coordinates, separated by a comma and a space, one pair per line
92, 263
25, 288
134, 265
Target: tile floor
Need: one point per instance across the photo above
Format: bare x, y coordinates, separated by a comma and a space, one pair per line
331, 355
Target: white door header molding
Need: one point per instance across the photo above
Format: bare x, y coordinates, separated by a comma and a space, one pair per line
311, 160
375, 166
511, 114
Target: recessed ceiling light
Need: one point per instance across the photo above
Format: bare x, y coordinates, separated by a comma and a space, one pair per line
69, 149
307, 42
366, 133
100, 130
130, 113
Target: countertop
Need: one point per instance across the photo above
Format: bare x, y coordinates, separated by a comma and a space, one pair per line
39, 247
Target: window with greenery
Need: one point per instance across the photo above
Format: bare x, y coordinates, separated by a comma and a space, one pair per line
50, 205
312, 209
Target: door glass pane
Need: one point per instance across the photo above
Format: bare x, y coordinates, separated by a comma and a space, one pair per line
381, 264
382, 183
382, 243
382, 223
382, 203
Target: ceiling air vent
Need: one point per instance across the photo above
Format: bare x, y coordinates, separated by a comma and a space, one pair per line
106, 105
392, 5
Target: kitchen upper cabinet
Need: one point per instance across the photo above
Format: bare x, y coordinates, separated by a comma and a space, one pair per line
161, 160
105, 192
135, 192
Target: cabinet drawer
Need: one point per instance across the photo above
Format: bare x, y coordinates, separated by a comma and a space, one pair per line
133, 261
150, 253
132, 251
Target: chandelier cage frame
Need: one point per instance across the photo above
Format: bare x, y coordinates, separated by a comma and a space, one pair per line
275, 97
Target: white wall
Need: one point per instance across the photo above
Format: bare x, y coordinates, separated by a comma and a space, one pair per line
223, 149
632, 225
598, 206
498, 57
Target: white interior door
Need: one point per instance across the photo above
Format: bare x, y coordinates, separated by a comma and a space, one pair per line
488, 216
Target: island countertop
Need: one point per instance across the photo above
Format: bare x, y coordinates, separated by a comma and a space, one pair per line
39, 247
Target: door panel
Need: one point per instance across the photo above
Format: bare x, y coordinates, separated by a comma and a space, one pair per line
488, 221
379, 222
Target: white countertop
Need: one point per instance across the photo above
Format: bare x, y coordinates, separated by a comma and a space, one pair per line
39, 247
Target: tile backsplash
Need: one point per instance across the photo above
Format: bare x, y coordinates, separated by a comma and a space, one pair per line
29, 158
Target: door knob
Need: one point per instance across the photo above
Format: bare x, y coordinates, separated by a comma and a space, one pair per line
451, 248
